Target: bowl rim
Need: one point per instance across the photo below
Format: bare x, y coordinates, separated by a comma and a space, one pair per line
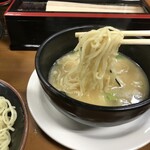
72, 100
26, 127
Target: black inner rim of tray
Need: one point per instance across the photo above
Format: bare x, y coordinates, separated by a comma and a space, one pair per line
40, 5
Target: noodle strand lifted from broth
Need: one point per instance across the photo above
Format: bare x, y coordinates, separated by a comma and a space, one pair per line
97, 49
88, 74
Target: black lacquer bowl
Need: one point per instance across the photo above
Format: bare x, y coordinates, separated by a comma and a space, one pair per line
18, 137
64, 41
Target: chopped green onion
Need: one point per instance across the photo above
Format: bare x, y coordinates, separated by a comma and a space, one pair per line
119, 56
111, 96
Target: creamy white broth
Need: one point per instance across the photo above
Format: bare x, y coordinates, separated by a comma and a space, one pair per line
131, 84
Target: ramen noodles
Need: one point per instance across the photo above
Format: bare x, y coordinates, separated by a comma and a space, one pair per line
96, 73
8, 116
